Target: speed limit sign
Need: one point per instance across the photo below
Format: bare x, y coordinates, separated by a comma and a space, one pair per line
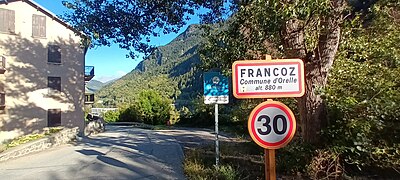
272, 125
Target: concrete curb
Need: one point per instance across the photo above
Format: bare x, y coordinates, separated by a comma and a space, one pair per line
64, 136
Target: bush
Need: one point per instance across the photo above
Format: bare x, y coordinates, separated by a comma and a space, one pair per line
128, 114
149, 108
111, 116
152, 108
326, 164
202, 115
364, 111
174, 116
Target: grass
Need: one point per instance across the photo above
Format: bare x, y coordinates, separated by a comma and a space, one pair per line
31, 137
244, 160
238, 160
24, 139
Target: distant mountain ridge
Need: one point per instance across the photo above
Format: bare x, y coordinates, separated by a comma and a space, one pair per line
94, 85
171, 70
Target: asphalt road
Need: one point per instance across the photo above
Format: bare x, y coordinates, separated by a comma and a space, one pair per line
118, 153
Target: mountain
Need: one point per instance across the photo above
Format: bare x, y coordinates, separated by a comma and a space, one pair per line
171, 70
95, 85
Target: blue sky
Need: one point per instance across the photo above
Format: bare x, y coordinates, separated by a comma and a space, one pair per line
110, 62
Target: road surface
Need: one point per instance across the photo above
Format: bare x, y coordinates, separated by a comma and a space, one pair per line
118, 153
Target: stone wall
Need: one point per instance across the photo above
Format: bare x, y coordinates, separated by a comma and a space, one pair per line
64, 136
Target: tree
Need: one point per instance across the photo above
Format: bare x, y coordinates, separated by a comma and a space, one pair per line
305, 29
130, 23
152, 108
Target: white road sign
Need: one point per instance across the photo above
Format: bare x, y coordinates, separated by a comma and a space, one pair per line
268, 79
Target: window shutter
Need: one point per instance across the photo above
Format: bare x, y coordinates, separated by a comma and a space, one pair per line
38, 26
35, 27
42, 26
3, 20
11, 21
7, 20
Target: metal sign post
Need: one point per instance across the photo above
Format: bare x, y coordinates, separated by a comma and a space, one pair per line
216, 137
216, 91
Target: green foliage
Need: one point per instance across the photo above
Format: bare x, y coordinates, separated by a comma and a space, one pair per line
364, 108
237, 161
174, 116
294, 157
53, 130
131, 23
152, 108
129, 114
111, 116
31, 137
256, 29
364, 92
202, 115
24, 139
363, 88
149, 107
170, 70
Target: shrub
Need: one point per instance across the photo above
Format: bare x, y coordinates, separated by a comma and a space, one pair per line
364, 111
111, 116
326, 164
152, 108
128, 114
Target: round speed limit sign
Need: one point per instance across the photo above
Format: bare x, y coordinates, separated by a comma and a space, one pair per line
272, 125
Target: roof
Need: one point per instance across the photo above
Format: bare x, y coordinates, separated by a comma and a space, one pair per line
46, 12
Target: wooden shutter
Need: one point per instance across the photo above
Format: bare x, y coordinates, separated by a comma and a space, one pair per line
53, 117
38, 26
7, 21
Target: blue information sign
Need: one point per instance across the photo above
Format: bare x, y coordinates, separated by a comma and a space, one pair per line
216, 88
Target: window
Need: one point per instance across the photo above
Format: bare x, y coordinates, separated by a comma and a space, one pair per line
7, 21
89, 98
54, 54
53, 117
38, 26
54, 83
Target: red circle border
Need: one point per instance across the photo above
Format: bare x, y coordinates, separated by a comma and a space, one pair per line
286, 139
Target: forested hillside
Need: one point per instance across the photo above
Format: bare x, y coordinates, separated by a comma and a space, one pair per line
170, 70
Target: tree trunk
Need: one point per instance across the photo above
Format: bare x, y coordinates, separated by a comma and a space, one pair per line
312, 108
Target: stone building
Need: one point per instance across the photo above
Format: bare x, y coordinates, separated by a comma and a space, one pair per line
42, 70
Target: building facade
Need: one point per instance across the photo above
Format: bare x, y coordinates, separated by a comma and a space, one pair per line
42, 73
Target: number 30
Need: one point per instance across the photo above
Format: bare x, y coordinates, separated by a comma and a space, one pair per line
274, 124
